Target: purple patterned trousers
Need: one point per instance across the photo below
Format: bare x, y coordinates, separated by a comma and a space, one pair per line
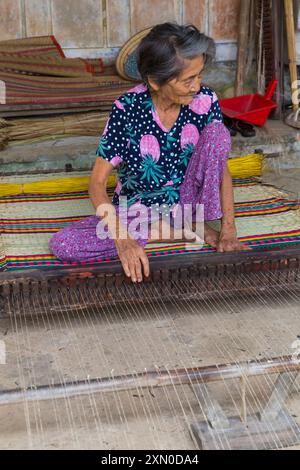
201, 185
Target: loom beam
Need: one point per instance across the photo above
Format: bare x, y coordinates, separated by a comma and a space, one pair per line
153, 379
269, 429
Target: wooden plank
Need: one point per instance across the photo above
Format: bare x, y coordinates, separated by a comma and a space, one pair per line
77, 23
146, 13
118, 22
10, 19
37, 18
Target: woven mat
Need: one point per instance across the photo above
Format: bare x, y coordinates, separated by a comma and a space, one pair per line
27, 94
39, 78
265, 219
46, 45
43, 55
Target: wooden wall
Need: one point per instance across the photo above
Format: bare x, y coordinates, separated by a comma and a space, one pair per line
93, 28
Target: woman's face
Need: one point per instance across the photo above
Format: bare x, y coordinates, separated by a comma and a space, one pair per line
182, 89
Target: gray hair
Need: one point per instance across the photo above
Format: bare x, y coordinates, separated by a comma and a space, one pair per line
161, 54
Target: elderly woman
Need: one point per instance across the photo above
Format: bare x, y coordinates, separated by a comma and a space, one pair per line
168, 142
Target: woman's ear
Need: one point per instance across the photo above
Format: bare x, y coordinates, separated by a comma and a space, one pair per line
153, 85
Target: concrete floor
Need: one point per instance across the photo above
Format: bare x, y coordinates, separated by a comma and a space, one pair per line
57, 348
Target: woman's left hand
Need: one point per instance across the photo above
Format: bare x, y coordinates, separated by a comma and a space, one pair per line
228, 241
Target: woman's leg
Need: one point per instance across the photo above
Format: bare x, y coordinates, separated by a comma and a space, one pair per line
203, 180
79, 242
205, 170
204, 175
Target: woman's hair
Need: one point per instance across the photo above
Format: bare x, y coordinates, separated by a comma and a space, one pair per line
161, 54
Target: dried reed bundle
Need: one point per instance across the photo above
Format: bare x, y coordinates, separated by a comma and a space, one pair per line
69, 125
246, 166
53, 186
3, 134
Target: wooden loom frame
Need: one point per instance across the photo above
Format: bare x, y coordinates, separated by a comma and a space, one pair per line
165, 267
225, 266
212, 271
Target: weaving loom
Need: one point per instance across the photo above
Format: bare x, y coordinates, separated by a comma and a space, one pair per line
172, 355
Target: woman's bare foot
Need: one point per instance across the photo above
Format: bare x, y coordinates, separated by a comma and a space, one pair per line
224, 241
162, 232
230, 242
211, 236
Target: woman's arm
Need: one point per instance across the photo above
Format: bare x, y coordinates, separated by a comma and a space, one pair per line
228, 240
133, 258
98, 181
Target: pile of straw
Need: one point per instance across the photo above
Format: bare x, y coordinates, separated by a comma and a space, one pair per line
3, 134
86, 124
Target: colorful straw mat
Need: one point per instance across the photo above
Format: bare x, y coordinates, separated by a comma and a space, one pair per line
126, 63
97, 66
45, 46
39, 80
37, 45
37, 95
45, 65
265, 219
44, 56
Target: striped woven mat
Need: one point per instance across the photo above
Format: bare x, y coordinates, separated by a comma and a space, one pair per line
32, 46
43, 55
39, 95
265, 219
39, 78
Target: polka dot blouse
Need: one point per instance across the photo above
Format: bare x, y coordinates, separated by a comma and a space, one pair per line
151, 160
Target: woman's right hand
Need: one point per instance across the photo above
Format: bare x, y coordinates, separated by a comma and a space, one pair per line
133, 258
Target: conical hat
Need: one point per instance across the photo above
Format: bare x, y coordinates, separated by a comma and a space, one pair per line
126, 63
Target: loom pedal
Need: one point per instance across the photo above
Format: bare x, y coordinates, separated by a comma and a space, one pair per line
255, 434
273, 428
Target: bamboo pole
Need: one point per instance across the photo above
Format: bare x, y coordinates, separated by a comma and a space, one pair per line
243, 38
290, 28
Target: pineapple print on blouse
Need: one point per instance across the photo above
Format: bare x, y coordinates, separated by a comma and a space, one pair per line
151, 160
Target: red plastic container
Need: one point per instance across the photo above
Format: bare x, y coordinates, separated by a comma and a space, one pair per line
253, 108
